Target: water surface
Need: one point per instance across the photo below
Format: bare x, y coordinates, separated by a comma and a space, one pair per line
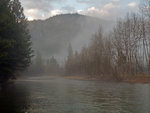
59, 95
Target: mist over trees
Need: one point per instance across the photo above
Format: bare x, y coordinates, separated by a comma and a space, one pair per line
52, 36
41, 66
125, 50
15, 44
52, 66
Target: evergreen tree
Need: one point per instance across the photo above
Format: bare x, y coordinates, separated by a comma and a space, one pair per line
53, 66
39, 66
70, 51
68, 63
15, 44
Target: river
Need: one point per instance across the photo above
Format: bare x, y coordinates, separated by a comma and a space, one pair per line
60, 95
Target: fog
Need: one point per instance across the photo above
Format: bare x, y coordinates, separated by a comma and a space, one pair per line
89, 56
52, 36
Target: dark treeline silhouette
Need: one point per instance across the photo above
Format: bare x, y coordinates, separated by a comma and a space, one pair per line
123, 51
15, 44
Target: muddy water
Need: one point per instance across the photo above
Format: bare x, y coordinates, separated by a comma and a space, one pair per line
59, 95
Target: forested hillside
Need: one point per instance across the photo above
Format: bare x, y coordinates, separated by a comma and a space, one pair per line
52, 36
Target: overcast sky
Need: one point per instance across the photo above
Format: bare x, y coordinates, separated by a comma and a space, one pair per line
105, 9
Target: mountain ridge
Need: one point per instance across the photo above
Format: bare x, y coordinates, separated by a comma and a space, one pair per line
52, 36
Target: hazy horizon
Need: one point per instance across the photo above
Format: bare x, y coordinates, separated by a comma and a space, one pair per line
108, 9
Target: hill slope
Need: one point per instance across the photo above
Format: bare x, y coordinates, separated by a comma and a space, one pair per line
52, 36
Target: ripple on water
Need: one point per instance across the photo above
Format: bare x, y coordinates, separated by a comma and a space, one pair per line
57, 95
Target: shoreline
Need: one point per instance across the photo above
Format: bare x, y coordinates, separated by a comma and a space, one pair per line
131, 80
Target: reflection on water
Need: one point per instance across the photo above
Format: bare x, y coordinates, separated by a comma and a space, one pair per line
57, 95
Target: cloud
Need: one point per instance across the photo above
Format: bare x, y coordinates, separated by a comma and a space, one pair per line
95, 12
32, 14
86, 1
44, 5
112, 9
40, 9
110, 6
55, 12
115, 0
109, 10
68, 9
132, 4
133, 7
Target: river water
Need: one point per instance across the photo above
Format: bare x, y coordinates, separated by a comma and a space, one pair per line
59, 95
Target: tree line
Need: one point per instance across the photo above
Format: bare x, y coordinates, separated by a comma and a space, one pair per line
125, 50
43, 66
15, 43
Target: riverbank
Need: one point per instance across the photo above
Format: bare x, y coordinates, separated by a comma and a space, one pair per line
140, 80
133, 80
